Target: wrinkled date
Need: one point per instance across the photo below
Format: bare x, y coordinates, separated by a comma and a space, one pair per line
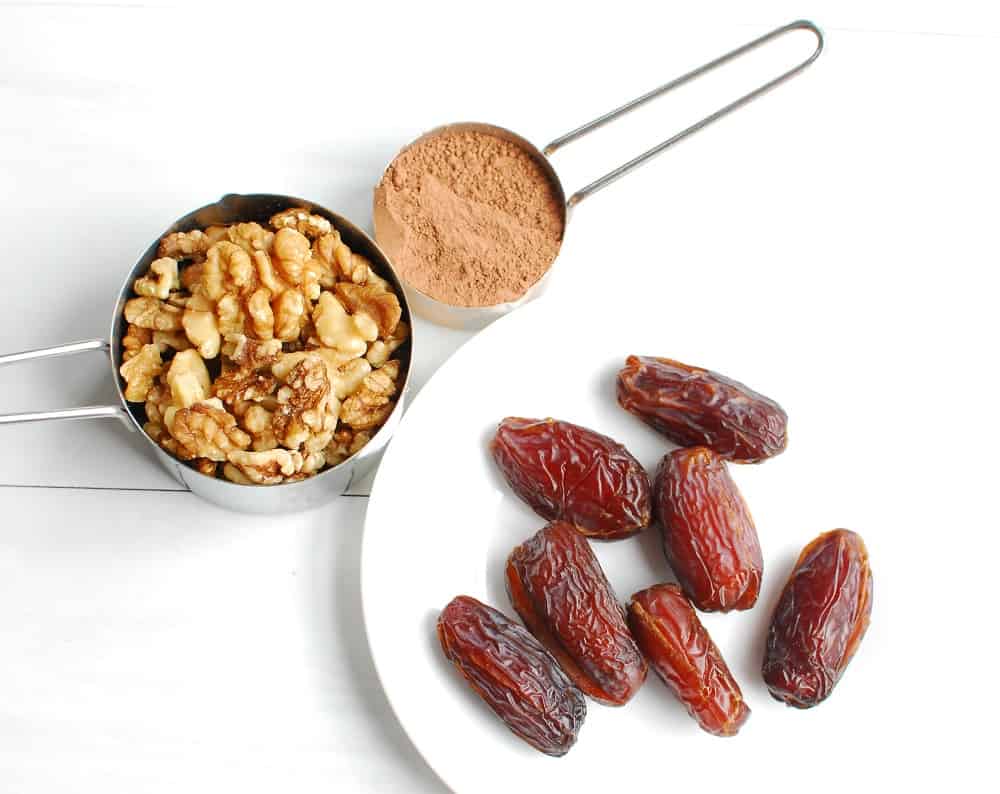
679, 649
693, 406
820, 619
513, 673
708, 535
569, 473
561, 593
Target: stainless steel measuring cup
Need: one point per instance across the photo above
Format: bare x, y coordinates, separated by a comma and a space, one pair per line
287, 497
476, 317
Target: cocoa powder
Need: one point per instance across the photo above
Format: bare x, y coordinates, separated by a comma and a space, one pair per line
468, 218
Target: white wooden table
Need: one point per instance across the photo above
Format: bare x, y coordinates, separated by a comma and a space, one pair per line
149, 642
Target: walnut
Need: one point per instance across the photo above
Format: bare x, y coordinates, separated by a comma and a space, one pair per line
243, 384
206, 466
182, 245
139, 372
304, 222
230, 316
348, 333
266, 468
201, 326
337, 257
160, 280
261, 314
348, 377
374, 279
155, 431
250, 237
188, 379
353, 267
305, 405
325, 247
291, 250
266, 274
231, 473
135, 337
257, 421
228, 269
289, 315
334, 360
216, 234
161, 436
374, 301
312, 462
380, 350
345, 443
320, 272
191, 276
157, 401
153, 313
286, 362
371, 404
170, 340
253, 354
205, 430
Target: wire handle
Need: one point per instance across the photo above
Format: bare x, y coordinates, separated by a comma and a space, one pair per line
89, 412
645, 157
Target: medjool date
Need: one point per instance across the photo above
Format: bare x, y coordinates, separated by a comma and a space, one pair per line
569, 473
669, 633
561, 593
820, 619
513, 673
708, 535
693, 406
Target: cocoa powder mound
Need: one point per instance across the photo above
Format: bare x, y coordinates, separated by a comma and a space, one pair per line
468, 218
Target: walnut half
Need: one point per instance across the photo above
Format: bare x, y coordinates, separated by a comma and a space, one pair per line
263, 468
371, 405
205, 430
140, 371
306, 406
160, 280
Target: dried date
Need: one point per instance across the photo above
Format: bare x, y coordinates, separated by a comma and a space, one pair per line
513, 674
708, 535
693, 406
822, 614
679, 649
569, 473
561, 593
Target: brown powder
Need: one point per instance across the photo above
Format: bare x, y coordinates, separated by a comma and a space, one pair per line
468, 218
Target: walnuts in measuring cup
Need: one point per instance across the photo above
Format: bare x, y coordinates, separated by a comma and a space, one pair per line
264, 352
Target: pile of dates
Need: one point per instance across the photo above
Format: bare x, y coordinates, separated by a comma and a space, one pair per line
578, 640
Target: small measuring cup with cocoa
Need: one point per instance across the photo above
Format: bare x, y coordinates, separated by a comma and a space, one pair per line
472, 216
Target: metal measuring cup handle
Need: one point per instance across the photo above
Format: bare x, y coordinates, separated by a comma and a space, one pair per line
87, 412
628, 107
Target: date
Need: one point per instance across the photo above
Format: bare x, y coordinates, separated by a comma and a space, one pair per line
561, 593
513, 674
569, 473
709, 537
679, 649
693, 406
821, 616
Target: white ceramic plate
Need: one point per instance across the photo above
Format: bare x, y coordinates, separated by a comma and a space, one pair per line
441, 522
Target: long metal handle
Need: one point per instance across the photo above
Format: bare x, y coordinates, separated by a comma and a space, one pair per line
645, 157
89, 412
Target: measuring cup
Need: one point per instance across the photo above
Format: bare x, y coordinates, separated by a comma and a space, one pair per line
287, 497
476, 317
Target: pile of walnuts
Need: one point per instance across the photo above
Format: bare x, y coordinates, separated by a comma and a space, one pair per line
297, 331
